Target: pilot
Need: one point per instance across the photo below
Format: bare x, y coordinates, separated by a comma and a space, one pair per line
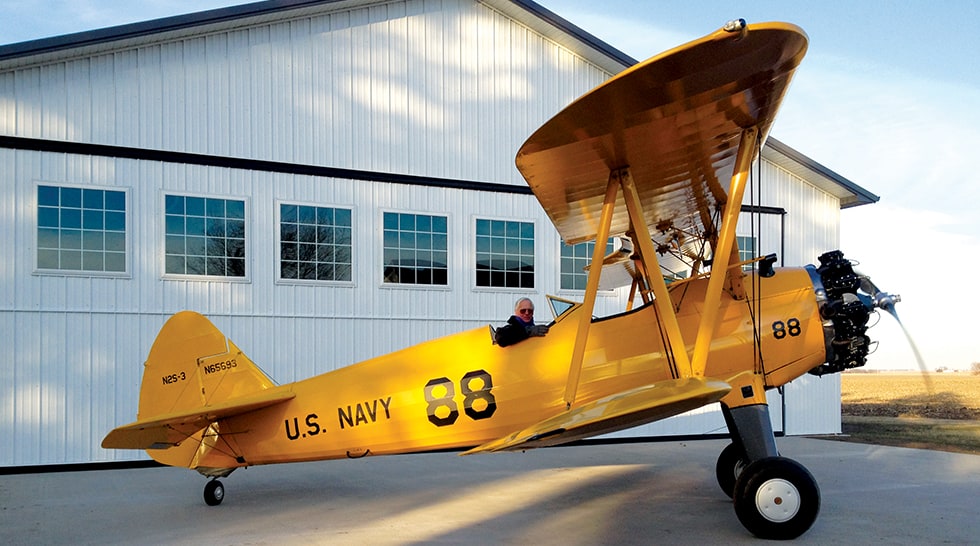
520, 325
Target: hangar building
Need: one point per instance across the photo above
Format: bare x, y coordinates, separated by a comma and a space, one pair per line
326, 180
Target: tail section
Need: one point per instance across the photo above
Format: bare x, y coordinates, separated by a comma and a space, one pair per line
192, 364
193, 377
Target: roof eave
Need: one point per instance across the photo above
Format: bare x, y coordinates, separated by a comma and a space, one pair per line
849, 193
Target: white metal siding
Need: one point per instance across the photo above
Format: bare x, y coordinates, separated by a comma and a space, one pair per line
443, 89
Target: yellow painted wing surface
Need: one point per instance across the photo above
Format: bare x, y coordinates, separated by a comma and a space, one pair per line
616, 412
675, 120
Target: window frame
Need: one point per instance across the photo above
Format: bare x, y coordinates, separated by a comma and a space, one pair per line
380, 270
473, 258
246, 278
126, 273
277, 254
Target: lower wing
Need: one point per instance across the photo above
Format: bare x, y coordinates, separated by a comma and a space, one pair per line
616, 412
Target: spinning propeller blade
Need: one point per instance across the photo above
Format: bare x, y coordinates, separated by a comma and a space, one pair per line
886, 302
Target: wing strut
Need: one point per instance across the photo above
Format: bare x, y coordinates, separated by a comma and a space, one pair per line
723, 252
651, 266
654, 278
591, 288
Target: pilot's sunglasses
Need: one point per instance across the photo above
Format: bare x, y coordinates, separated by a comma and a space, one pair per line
526, 311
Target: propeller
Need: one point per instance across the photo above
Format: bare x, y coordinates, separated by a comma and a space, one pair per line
886, 302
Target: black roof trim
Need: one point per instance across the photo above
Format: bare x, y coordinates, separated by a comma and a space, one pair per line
579, 33
145, 28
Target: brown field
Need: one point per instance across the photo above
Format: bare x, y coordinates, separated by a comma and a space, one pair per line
938, 411
897, 394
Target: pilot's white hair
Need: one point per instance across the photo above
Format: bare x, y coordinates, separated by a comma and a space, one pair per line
520, 301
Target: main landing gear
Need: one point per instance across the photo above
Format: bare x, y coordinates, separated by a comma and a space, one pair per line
214, 492
774, 497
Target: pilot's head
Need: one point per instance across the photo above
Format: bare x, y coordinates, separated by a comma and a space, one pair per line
524, 309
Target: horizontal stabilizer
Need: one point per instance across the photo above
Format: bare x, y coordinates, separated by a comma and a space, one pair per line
168, 430
617, 412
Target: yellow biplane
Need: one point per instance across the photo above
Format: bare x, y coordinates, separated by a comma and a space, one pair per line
643, 157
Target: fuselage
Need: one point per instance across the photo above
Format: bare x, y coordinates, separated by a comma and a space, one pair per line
462, 390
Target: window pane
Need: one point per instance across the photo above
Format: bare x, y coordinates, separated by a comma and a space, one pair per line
195, 225
115, 200
175, 204
342, 217
194, 206
47, 196
71, 197
71, 239
47, 259
47, 217
71, 260
48, 238
115, 261
175, 225
115, 242
235, 209
482, 227
115, 221
93, 199
71, 218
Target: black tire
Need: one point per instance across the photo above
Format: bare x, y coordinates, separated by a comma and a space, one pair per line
731, 463
214, 493
776, 498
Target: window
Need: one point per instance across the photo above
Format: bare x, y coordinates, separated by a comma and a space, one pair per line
574, 259
746, 250
81, 229
504, 254
416, 249
205, 236
314, 243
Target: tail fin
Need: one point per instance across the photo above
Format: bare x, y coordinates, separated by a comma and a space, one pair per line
193, 377
192, 364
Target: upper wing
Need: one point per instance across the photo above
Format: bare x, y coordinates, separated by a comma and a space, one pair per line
675, 120
619, 411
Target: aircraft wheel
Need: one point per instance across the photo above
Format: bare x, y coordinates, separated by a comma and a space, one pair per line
731, 463
214, 493
776, 498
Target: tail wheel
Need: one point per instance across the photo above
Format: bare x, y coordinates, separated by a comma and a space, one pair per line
776, 498
731, 463
214, 493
